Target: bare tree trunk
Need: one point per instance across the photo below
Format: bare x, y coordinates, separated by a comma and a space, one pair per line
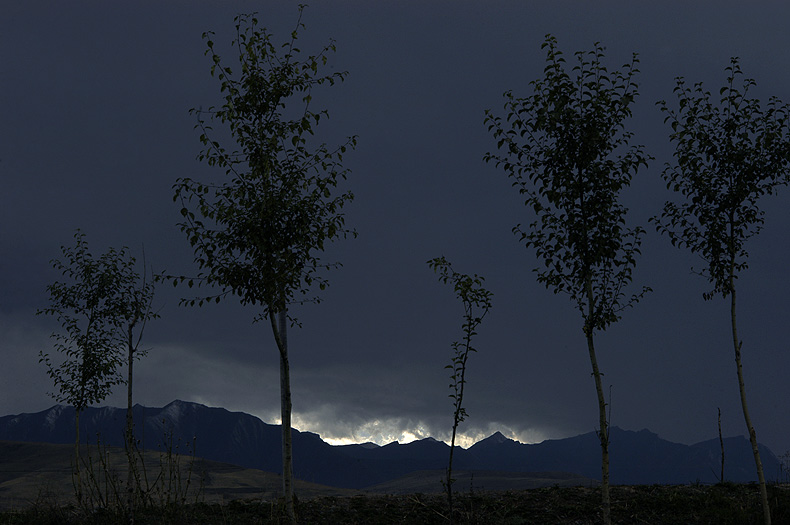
742, 388
77, 456
456, 420
450, 473
721, 445
603, 433
130, 488
281, 336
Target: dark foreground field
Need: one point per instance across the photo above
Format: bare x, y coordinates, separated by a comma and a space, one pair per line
718, 504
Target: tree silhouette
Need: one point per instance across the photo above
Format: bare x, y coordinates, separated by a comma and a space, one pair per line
258, 234
136, 300
727, 157
477, 302
567, 151
88, 305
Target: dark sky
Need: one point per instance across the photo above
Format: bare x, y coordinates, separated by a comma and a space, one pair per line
95, 130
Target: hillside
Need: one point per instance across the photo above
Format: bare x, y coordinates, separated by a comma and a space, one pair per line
34, 473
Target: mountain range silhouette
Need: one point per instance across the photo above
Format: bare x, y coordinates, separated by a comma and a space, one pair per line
640, 457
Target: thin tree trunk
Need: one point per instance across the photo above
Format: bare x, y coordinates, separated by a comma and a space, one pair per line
604, 431
130, 488
721, 445
603, 434
281, 337
450, 471
742, 388
456, 419
77, 456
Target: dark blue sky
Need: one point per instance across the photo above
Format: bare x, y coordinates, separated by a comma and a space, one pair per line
95, 130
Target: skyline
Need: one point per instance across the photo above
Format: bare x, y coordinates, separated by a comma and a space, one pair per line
99, 130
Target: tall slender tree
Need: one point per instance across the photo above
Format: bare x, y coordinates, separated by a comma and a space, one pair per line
258, 233
727, 156
135, 300
476, 301
86, 304
566, 148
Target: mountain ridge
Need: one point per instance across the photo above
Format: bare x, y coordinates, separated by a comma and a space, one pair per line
638, 457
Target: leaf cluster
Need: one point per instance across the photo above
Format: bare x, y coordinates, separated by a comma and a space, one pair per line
97, 305
256, 235
477, 302
727, 156
567, 150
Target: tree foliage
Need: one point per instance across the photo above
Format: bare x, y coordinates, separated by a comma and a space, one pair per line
476, 301
99, 304
568, 153
90, 307
728, 156
137, 293
257, 235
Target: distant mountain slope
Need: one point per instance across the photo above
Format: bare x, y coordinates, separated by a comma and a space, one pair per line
31, 472
636, 458
241, 439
